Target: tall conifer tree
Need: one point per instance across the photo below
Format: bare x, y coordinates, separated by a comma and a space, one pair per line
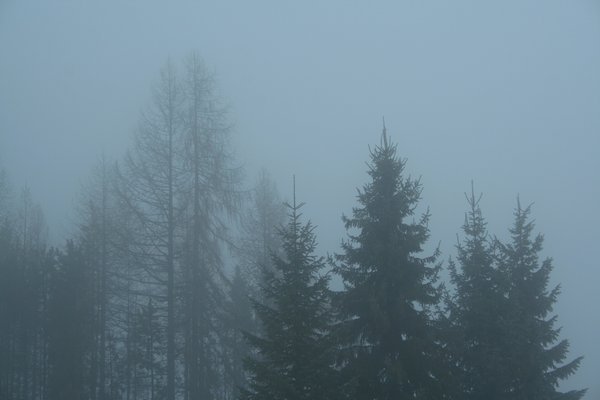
294, 354
386, 330
535, 353
477, 331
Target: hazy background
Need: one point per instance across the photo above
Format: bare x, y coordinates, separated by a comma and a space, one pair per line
507, 94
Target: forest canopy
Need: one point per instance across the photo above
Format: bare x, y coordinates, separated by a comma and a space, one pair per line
181, 283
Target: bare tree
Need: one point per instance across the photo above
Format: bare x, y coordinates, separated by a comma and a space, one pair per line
259, 239
212, 194
179, 186
100, 220
150, 187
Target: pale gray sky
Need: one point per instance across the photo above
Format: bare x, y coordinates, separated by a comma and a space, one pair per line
506, 93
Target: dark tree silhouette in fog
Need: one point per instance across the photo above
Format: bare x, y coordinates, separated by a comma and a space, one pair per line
386, 331
294, 350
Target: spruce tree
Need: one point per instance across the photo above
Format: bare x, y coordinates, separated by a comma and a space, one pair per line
386, 331
294, 354
476, 333
536, 355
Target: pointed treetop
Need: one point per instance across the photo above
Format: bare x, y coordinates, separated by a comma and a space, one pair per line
471, 199
294, 207
294, 189
384, 135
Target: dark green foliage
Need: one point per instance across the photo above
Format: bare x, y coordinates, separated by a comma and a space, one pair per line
258, 241
477, 321
500, 335
294, 354
387, 336
136, 307
534, 352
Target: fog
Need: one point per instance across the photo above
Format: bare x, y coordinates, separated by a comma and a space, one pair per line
506, 94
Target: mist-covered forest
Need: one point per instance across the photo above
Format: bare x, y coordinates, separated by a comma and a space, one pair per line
179, 284
273, 210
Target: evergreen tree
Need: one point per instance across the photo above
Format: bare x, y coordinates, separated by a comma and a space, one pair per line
294, 354
477, 313
535, 353
387, 336
258, 242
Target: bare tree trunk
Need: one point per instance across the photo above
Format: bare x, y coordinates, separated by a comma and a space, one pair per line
171, 275
103, 288
151, 189
211, 196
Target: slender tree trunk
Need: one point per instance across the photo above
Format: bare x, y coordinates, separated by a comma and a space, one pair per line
103, 294
170, 269
151, 348
195, 259
128, 343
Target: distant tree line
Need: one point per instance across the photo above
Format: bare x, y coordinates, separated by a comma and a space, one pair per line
179, 284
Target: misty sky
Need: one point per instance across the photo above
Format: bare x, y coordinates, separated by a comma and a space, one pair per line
506, 94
